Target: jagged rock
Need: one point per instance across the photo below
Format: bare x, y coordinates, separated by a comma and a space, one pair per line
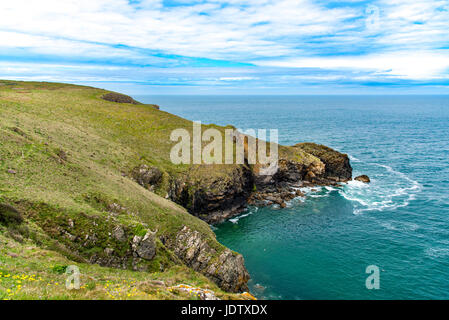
203, 294
363, 178
337, 166
118, 233
146, 176
116, 209
144, 247
213, 199
227, 270
299, 193
109, 251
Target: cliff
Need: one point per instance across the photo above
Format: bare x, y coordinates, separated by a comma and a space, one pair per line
88, 176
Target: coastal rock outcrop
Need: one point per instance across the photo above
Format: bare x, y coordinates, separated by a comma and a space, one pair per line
215, 193
213, 197
144, 247
363, 178
225, 268
337, 166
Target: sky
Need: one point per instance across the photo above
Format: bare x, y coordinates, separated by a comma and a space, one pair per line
230, 47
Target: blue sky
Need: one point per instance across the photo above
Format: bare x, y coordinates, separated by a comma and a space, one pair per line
230, 47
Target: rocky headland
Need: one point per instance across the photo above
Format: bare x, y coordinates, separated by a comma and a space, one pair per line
86, 173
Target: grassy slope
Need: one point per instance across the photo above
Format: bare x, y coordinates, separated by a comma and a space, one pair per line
69, 148
30, 272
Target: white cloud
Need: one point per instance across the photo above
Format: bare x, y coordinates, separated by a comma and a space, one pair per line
408, 65
229, 32
237, 78
269, 33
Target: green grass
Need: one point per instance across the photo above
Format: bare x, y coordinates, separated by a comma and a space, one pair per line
30, 272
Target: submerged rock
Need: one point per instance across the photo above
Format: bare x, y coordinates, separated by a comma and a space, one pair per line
363, 178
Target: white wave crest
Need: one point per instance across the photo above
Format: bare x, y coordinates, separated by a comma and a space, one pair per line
388, 190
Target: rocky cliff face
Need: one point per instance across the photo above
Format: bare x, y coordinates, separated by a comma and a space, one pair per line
225, 193
219, 197
225, 268
337, 166
215, 198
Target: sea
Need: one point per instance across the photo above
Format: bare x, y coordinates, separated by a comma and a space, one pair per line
385, 240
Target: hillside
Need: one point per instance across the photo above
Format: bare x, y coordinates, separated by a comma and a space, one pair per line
89, 182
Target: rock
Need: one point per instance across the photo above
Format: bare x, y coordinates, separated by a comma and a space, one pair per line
109, 251
118, 233
299, 193
336, 164
116, 209
310, 176
11, 171
62, 155
283, 205
146, 176
203, 294
157, 283
12, 254
363, 178
213, 198
70, 236
145, 247
227, 270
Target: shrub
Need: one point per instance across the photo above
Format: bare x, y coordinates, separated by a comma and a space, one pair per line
9, 215
59, 269
119, 98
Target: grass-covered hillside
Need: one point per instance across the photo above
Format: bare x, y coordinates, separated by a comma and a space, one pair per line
68, 196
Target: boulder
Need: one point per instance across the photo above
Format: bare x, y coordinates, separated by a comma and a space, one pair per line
147, 176
119, 233
363, 178
144, 247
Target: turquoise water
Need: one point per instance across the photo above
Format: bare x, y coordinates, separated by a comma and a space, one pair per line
319, 248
